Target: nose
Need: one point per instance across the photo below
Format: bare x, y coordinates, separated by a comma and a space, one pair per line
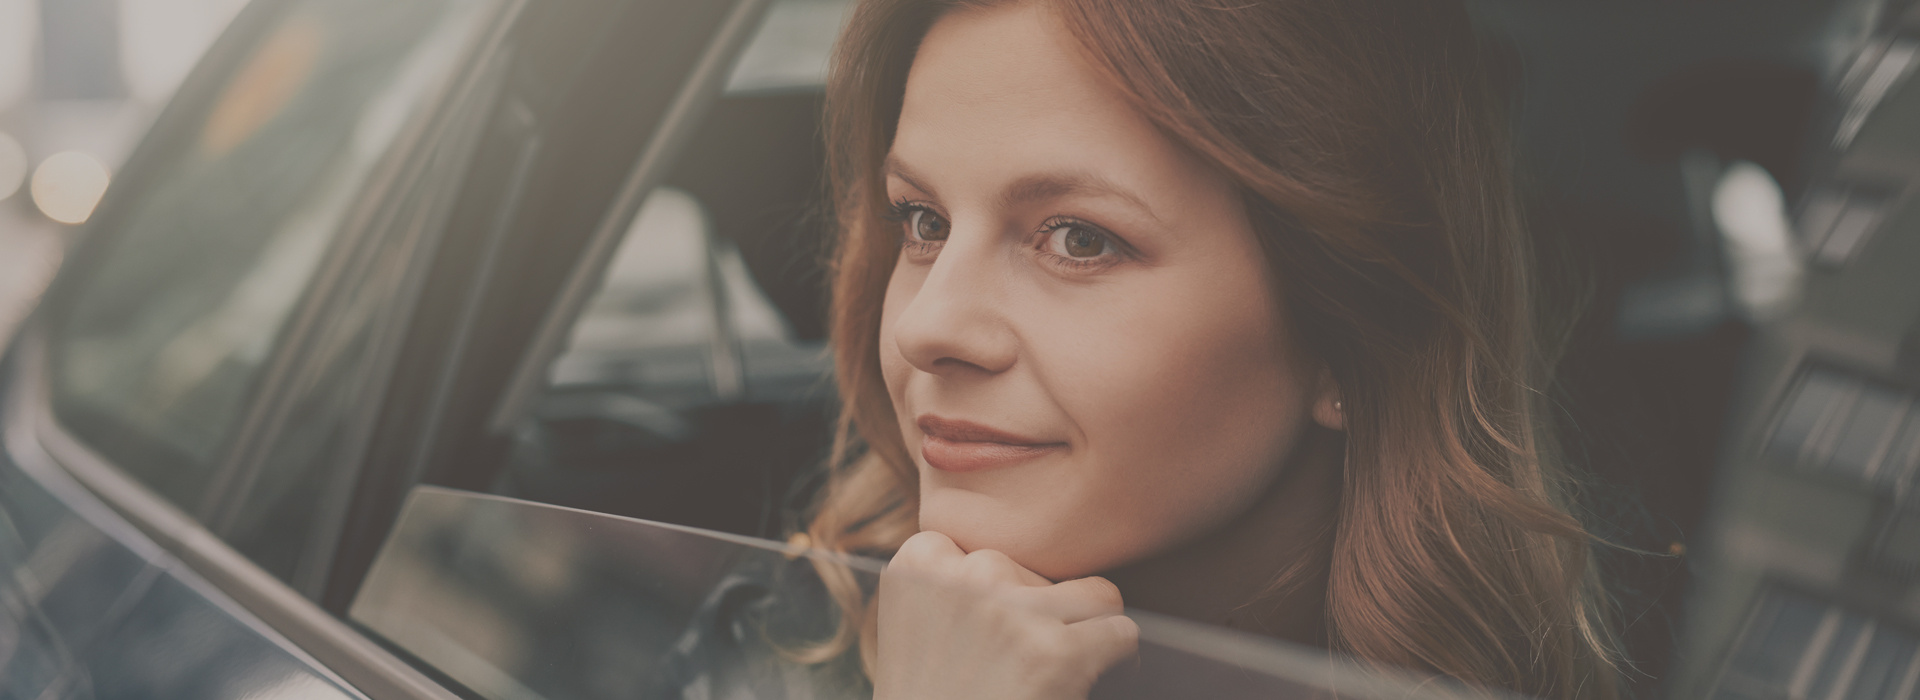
954, 323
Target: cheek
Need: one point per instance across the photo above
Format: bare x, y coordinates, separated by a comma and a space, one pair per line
1187, 404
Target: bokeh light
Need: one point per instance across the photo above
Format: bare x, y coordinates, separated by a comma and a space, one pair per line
1751, 212
13, 166
67, 186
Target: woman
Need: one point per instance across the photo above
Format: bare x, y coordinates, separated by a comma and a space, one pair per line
1222, 310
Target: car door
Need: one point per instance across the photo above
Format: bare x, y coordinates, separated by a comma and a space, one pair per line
623, 414
301, 225
517, 599
596, 100
143, 373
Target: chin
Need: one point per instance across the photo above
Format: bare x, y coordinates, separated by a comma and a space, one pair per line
1028, 533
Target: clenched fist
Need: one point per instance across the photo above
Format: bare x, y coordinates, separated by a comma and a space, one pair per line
969, 625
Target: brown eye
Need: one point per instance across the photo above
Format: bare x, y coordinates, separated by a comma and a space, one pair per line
926, 226
1079, 242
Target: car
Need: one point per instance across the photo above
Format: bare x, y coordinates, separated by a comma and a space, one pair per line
476, 348
443, 348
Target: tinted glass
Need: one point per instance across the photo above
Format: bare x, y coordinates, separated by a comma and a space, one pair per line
204, 262
522, 600
285, 509
90, 609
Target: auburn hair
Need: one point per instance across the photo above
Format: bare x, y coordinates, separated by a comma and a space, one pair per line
1373, 158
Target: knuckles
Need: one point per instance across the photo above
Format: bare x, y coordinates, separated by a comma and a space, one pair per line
925, 548
986, 567
923, 558
943, 598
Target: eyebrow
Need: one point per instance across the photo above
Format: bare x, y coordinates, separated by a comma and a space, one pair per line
1036, 188
894, 167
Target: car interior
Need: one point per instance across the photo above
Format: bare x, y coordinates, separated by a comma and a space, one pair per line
640, 417
662, 433
694, 385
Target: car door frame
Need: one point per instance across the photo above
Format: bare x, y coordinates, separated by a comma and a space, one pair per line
424, 420
363, 662
34, 430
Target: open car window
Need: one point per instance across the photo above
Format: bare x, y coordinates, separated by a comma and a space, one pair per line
517, 600
694, 385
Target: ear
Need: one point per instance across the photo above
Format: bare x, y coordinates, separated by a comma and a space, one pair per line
1328, 410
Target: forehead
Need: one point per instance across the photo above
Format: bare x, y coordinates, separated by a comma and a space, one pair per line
1006, 90
1005, 53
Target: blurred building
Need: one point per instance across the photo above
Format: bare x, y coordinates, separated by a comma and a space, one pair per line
1807, 588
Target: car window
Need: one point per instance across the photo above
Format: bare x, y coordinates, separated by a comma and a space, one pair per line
161, 344
694, 387
282, 511
513, 599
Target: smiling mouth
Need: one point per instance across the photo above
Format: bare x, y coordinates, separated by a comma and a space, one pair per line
960, 446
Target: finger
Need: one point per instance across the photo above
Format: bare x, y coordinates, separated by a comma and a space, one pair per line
1076, 600
1108, 640
918, 563
925, 549
993, 567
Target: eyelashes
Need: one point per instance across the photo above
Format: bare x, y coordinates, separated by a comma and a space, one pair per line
1079, 244
1062, 241
919, 222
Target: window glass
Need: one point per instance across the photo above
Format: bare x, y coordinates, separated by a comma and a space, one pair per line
682, 395
162, 344
694, 386
515, 600
286, 510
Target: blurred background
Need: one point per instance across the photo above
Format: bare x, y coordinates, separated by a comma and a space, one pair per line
80, 81
1724, 189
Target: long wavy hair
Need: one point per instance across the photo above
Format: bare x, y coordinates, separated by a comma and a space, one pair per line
1373, 158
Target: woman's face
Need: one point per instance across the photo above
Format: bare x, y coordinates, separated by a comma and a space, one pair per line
1081, 338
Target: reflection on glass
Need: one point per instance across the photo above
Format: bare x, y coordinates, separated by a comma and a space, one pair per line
85, 613
518, 600
207, 258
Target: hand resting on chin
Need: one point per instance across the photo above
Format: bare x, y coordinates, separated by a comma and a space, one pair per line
966, 625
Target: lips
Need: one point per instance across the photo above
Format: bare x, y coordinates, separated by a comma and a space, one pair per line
960, 446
